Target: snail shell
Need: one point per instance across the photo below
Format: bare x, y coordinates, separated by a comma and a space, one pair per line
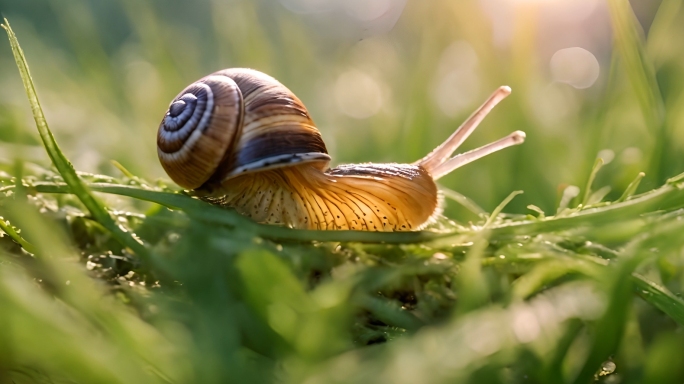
241, 139
235, 121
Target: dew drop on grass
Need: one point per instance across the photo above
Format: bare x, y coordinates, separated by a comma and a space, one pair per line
607, 368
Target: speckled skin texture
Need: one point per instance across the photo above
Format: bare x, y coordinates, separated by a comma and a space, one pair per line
372, 197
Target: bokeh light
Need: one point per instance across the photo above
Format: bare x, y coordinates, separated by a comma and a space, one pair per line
456, 84
367, 10
358, 94
348, 18
575, 66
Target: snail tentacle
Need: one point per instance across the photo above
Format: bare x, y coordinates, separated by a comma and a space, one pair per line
436, 159
515, 138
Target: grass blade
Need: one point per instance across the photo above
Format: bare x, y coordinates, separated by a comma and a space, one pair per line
464, 201
60, 161
640, 71
206, 212
471, 284
6, 227
665, 18
667, 197
389, 312
587, 190
631, 188
610, 327
660, 298
641, 74
96, 318
500, 207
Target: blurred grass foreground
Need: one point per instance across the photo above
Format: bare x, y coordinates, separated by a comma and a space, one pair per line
108, 277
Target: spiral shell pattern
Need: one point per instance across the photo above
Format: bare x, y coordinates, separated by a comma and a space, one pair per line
233, 122
199, 127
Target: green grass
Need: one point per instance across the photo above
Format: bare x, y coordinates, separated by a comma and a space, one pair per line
116, 279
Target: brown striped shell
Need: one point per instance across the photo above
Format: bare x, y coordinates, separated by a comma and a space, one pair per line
233, 122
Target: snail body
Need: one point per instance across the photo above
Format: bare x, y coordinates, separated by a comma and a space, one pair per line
239, 138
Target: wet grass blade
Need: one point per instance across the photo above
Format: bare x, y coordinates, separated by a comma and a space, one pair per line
14, 235
660, 298
608, 332
60, 161
667, 197
610, 327
203, 211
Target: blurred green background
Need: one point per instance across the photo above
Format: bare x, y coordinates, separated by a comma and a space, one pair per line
385, 80
578, 299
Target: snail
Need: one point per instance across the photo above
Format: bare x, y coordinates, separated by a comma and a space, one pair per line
239, 138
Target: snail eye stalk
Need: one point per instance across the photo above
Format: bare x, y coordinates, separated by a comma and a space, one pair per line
515, 138
438, 162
